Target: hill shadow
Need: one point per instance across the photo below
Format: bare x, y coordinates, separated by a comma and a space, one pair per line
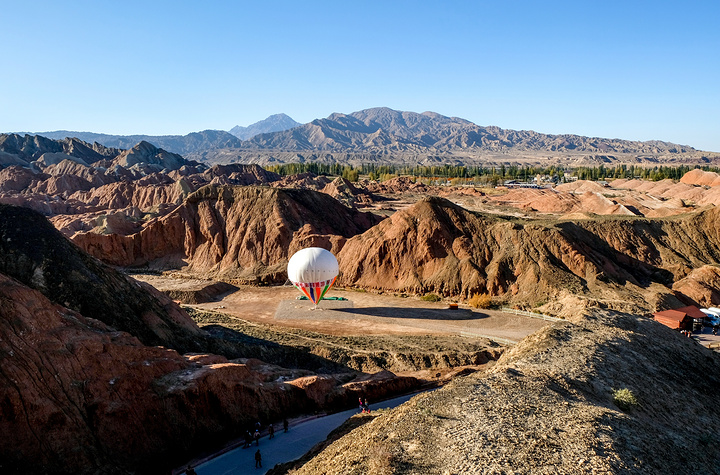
420, 313
234, 344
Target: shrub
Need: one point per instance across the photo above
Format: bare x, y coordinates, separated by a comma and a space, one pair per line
480, 301
624, 399
430, 298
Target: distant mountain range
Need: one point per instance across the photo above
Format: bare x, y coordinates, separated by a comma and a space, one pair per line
386, 131
274, 123
386, 135
182, 144
36, 151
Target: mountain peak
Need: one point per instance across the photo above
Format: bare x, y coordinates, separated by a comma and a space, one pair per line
274, 123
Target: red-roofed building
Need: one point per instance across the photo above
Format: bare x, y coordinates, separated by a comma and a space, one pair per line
679, 318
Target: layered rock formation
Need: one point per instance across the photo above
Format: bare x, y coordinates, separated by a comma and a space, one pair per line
79, 397
436, 246
85, 389
240, 233
702, 285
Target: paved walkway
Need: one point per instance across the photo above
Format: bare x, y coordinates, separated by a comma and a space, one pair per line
705, 337
284, 447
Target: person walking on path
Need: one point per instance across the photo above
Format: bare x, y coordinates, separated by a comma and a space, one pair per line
285, 425
366, 406
258, 459
257, 437
272, 431
362, 406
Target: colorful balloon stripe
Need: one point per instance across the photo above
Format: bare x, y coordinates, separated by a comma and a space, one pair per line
314, 291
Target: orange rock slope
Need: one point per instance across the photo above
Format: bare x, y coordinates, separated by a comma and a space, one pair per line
235, 232
436, 246
78, 397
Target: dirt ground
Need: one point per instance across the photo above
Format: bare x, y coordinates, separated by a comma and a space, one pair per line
366, 313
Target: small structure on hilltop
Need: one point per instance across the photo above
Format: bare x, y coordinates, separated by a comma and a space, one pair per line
683, 318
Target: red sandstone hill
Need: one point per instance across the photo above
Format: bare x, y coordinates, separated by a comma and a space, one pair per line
436, 246
231, 232
79, 397
84, 389
700, 177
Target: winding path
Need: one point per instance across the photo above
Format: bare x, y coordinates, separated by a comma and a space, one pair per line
284, 447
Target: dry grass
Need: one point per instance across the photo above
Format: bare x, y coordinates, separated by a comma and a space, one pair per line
480, 301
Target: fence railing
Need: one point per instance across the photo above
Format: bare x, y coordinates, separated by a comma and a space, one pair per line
530, 314
502, 341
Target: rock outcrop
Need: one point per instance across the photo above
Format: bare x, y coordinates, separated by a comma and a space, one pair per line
701, 285
235, 233
548, 406
145, 153
436, 246
79, 397
33, 252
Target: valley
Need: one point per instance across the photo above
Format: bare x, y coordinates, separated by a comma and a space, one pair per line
146, 313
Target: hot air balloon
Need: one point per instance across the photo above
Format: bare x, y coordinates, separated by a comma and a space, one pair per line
313, 271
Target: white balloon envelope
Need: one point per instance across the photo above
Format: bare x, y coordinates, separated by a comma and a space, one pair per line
313, 271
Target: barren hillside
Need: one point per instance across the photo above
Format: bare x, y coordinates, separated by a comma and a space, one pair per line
437, 246
548, 407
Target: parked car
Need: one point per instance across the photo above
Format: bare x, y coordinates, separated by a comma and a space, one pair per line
712, 316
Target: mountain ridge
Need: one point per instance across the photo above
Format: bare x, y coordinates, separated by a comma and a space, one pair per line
386, 130
384, 135
180, 144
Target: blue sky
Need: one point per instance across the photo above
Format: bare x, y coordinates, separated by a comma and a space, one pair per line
636, 70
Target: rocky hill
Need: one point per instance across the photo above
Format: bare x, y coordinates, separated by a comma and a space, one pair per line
38, 152
548, 406
233, 232
383, 130
23, 150
35, 254
80, 397
274, 123
437, 246
84, 389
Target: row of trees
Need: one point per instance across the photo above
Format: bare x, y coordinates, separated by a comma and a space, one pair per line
479, 174
633, 171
